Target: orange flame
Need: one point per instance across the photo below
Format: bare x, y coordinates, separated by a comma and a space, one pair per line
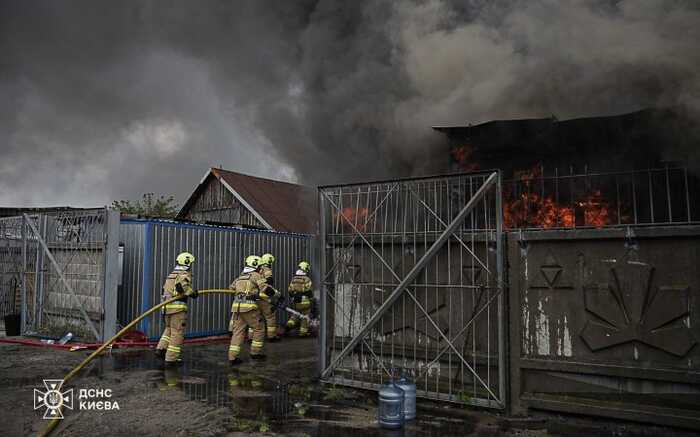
356, 216
532, 210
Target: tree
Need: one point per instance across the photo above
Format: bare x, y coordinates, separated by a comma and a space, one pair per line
149, 206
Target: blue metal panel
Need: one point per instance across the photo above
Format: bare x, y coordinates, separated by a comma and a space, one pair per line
219, 251
147, 278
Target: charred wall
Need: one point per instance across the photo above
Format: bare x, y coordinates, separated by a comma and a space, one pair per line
644, 139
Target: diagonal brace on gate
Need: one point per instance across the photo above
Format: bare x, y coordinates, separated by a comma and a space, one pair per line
410, 277
37, 234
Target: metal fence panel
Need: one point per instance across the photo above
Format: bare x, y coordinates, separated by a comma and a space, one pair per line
150, 248
413, 282
131, 241
58, 269
14, 265
661, 196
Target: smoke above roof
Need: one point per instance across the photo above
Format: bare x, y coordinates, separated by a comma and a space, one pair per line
104, 100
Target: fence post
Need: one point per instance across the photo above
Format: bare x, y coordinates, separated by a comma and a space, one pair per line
111, 276
24, 314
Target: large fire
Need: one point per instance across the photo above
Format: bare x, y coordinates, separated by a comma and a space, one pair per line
529, 208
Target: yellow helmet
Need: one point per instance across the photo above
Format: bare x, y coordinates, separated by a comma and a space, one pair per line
252, 261
267, 259
185, 259
305, 266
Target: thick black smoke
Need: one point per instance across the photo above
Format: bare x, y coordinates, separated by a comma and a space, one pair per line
102, 100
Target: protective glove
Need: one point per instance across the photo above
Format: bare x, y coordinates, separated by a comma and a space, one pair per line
194, 294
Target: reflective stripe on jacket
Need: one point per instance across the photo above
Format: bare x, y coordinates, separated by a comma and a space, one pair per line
247, 287
300, 290
181, 276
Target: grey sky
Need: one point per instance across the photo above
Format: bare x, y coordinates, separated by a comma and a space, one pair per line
102, 100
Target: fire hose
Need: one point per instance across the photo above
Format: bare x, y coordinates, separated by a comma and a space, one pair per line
54, 422
285, 307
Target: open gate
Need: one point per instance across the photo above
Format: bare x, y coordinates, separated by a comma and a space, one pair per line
412, 282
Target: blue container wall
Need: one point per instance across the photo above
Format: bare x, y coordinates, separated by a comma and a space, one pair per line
150, 248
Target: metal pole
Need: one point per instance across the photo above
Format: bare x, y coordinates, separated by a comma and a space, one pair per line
651, 197
668, 196
501, 298
60, 274
39, 278
413, 273
23, 317
321, 268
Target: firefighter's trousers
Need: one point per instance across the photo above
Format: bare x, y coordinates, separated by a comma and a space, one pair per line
301, 322
173, 335
270, 318
240, 321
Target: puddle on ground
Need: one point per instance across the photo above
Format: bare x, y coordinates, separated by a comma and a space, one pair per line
261, 402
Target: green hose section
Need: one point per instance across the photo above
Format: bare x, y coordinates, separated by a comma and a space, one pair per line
54, 422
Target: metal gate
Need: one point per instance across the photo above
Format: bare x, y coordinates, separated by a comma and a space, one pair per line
66, 266
412, 282
13, 265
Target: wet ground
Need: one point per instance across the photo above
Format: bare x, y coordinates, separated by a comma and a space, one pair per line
205, 397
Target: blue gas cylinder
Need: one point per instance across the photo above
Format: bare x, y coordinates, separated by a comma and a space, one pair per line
409, 400
391, 409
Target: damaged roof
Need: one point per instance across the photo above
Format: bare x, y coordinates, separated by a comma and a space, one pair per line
281, 206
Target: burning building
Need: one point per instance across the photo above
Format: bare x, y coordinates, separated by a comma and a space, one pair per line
554, 269
629, 169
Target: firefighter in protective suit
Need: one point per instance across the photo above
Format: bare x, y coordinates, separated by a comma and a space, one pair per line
267, 299
301, 294
177, 284
245, 312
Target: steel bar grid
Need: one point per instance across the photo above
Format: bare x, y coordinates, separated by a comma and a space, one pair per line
412, 283
14, 264
64, 270
660, 196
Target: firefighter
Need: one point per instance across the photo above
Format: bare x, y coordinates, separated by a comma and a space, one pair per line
245, 311
177, 284
268, 299
301, 294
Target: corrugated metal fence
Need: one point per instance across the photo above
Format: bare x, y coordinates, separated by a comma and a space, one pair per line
149, 251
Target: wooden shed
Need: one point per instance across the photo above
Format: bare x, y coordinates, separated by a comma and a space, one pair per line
228, 198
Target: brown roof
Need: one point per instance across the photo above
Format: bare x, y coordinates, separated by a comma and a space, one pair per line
283, 206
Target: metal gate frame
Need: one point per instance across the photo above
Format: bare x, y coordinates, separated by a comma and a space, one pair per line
490, 183
69, 261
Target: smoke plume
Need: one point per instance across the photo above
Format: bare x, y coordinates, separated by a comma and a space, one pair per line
104, 100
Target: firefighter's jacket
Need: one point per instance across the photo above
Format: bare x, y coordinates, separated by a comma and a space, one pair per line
177, 284
300, 290
266, 273
247, 289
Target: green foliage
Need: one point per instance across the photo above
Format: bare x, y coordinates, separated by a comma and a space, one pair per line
149, 206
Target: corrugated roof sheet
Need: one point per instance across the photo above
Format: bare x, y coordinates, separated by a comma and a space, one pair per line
285, 207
